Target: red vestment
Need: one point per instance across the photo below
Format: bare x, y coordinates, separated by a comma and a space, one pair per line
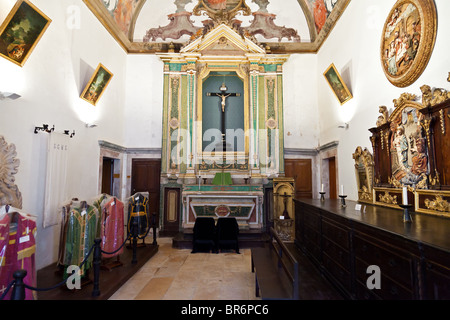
17, 251
112, 227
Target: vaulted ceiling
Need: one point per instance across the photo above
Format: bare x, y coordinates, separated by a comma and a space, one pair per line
284, 26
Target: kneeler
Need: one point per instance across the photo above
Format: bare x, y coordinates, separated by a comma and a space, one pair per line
204, 234
227, 234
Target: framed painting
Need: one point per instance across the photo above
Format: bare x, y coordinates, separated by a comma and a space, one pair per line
97, 85
408, 39
337, 84
21, 31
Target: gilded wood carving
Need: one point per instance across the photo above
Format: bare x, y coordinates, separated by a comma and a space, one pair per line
408, 40
364, 170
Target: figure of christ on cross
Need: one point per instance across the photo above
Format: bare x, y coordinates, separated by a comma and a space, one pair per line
223, 95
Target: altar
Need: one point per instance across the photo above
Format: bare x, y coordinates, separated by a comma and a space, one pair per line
222, 122
243, 202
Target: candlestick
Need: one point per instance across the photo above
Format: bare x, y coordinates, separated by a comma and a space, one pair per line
343, 205
322, 196
322, 190
342, 190
406, 214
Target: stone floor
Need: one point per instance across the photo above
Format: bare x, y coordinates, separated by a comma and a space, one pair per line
176, 274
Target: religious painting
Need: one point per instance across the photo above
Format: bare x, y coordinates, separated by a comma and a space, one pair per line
320, 10
21, 31
221, 4
337, 84
122, 11
97, 85
408, 40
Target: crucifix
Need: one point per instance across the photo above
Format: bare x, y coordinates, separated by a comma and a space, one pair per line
223, 95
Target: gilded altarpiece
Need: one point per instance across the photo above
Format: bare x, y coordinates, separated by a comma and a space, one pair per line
184, 159
411, 148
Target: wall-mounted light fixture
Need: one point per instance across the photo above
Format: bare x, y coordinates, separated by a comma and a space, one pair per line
9, 96
90, 125
343, 126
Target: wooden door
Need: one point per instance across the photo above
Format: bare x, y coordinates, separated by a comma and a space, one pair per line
107, 176
146, 178
301, 171
332, 175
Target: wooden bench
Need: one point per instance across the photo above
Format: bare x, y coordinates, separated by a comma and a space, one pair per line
276, 271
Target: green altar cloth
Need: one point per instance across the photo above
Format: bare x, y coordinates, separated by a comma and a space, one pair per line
222, 179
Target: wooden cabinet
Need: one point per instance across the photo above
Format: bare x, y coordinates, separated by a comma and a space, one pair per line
436, 274
414, 261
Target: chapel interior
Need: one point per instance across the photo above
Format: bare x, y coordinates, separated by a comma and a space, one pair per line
268, 149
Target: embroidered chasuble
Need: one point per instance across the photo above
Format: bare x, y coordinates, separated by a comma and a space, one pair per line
80, 236
112, 227
138, 208
99, 203
17, 250
65, 212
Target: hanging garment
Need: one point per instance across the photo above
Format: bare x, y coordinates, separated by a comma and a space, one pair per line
17, 250
112, 227
56, 186
138, 208
65, 213
98, 202
81, 233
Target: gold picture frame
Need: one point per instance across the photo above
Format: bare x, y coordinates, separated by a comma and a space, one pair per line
97, 85
21, 31
407, 41
337, 85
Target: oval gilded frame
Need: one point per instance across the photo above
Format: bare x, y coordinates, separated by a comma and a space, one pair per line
406, 47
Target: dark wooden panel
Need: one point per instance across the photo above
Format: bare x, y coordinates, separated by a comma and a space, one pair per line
395, 266
414, 259
107, 176
146, 178
337, 234
301, 171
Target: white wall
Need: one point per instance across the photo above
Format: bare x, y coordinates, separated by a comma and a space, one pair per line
301, 123
354, 47
144, 101
50, 84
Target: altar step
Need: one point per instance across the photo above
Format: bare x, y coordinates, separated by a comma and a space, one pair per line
247, 239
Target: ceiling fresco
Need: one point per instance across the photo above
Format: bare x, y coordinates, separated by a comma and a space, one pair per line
147, 26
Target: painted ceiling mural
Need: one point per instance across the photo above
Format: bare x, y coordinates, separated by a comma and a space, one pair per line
190, 19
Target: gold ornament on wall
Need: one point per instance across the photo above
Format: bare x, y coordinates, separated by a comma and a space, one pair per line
408, 39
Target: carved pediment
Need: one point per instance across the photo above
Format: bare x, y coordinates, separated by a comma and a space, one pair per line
223, 40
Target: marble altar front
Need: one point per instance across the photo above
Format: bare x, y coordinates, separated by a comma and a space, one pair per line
243, 202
